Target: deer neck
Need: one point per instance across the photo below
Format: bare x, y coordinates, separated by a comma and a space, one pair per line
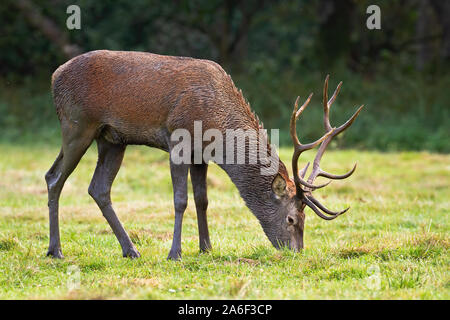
256, 190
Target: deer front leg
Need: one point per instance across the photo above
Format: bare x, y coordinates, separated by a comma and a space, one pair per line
179, 175
198, 178
110, 158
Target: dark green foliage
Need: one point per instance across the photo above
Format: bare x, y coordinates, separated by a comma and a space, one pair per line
274, 50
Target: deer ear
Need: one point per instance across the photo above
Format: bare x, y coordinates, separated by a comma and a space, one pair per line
279, 185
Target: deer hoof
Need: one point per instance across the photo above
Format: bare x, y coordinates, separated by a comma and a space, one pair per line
205, 249
131, 253
55, 253
174, 255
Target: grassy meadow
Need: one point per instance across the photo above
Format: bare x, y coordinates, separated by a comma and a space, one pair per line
392, 244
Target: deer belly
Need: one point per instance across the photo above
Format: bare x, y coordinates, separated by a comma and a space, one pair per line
153, 137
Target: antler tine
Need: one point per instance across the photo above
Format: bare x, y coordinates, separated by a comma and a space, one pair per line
310, 204
294, 117
335, 176
303, 171
349, 121
309, 200
327, 103
299, 147
325, 209
326, 106
317, 171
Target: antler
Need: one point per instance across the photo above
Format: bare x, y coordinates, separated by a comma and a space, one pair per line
299, 147
305, 195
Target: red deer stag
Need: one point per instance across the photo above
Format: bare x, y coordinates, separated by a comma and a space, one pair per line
122, 98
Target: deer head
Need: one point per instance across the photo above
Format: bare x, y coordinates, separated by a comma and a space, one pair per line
293, 202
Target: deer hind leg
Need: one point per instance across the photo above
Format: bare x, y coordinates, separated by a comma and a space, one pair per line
199, 186
110, 158
179, 173
76, 140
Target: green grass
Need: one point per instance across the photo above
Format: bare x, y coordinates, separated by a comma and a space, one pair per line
392, 244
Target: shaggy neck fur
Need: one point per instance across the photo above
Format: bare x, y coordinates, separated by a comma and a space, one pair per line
256, 190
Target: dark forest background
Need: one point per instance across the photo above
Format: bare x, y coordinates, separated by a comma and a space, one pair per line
274, 51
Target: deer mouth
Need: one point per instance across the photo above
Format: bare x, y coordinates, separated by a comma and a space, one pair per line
296, 242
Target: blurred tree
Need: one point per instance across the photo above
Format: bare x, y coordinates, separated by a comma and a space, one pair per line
442, 9
53, 32
335, 20
278, 34
274, 49
225, 23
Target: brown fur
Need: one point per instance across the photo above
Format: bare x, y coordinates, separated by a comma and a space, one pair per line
121, 98
138, 93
